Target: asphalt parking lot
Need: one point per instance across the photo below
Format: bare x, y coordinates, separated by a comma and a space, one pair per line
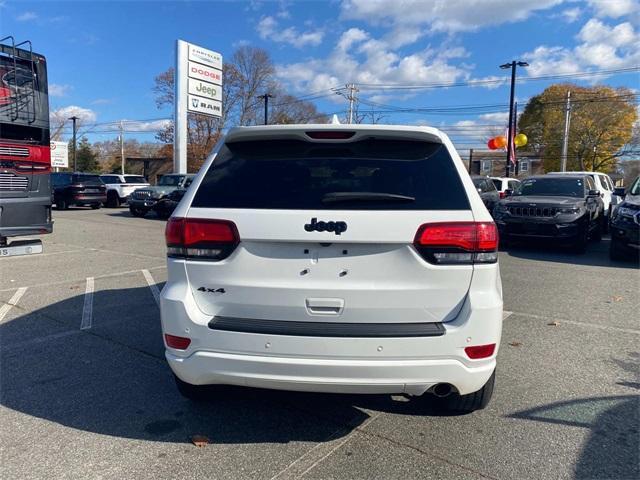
85, 391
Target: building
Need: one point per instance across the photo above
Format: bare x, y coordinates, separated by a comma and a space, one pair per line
492, 163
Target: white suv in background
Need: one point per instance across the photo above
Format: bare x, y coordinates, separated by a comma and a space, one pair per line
334, 258
605, 186
119, 187
505, 183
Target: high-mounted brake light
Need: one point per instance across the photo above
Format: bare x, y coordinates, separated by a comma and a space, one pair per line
480, 351
330, 135
458, 242
201, 238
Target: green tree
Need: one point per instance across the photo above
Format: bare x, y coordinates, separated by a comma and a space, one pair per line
87, 160
601, 129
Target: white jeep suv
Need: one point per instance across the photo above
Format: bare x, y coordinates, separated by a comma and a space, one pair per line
120, 187
334, 258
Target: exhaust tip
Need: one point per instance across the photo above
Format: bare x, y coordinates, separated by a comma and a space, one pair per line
442, 390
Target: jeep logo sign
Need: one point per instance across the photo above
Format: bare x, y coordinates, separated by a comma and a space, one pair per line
204, 89
331, 226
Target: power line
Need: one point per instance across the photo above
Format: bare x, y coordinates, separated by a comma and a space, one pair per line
472, 83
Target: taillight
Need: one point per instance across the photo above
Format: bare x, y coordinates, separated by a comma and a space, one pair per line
502, 194
179, 343
458, 242
480, 351
202, 239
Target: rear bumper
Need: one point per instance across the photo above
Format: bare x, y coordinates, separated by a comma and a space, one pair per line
337, 375
409, 365
87, 199
25, 216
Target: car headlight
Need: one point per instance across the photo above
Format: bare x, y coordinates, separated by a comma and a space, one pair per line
569, 210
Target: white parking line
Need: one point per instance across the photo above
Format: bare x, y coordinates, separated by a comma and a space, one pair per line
87, 309
152, 285
506, 314
12, 302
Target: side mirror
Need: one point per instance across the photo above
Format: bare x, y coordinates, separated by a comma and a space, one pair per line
619, 191
594, 193
508, 192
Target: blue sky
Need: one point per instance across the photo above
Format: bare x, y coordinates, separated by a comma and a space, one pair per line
103, 56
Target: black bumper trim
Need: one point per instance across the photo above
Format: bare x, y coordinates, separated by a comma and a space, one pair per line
327, 329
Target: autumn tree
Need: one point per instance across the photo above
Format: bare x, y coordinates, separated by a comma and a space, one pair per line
248, 74
601, 127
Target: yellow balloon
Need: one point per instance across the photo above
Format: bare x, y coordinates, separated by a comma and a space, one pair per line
520, 140
500, 141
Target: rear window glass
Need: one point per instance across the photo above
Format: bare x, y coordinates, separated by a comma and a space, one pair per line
135, 179
87, 179
365, 175
497, 183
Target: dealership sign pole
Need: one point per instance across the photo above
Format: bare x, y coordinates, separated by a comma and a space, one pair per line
198, 89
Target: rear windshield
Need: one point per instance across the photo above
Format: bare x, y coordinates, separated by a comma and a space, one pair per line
366, 175
550, 186
87, 179
135, 180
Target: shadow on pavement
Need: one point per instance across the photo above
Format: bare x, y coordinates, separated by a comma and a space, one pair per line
597, 254
113, 380
611, 450
123, 212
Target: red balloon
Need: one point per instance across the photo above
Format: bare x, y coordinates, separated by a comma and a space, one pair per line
492, 144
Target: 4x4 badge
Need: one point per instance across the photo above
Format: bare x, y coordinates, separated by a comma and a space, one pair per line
316, 226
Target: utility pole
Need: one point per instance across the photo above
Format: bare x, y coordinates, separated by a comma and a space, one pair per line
352, 99
75, 144
515, 129
122, 147
565, 139
512, 65
266, 98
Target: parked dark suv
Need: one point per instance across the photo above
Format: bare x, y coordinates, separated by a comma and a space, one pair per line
488, 192
77, 189
625, 224
562, 208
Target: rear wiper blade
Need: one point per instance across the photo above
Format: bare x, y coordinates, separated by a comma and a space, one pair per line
338, 197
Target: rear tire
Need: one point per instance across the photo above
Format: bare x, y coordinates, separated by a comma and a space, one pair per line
95, 206
196, 393
472, 401
113, 200
137, 212
61, 204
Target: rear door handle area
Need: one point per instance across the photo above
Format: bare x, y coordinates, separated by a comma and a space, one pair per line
324, 306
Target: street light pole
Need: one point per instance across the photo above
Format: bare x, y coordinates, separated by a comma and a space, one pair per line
266, 98
75, 144
510, 144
